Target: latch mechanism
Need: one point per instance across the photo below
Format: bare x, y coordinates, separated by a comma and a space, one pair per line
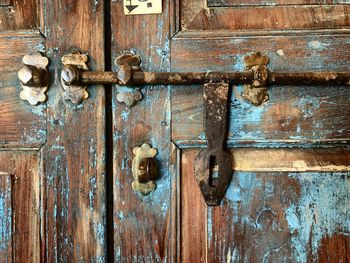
256, 78
213, 166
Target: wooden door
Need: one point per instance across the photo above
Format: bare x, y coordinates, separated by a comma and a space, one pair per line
289, 197
65, 169
52, 156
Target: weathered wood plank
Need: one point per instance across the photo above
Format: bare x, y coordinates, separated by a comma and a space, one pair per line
290, 160
6, 218
292, 115
193, 215
22, 125
19, 14
26, 205
75, 153
275, 216
195, 15
142, 224
234, 3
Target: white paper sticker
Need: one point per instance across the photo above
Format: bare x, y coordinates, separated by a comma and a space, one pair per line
141, 7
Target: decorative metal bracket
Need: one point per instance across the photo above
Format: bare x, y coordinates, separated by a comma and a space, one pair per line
35, 78
144, 169
74, 63
127, 62
215, 122
256, 93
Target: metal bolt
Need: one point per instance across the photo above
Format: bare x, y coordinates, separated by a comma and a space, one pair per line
70, 74
30, 76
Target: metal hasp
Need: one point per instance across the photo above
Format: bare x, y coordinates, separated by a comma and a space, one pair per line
34, 78
144, 169
213, 165
257, 77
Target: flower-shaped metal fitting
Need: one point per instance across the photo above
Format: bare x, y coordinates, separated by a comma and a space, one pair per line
126, 63
35, 78
73, 63
256, 93
144, 169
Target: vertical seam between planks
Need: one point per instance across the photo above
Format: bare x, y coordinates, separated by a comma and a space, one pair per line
109, 137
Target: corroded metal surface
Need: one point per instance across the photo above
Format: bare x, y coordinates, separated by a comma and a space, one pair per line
256, 92
247, 77
74, 63
34, 78
127, 63
215, 122
144, 169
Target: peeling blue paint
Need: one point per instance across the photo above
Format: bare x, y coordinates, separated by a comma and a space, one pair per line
323, 209
316, 44
125, 115
5, 215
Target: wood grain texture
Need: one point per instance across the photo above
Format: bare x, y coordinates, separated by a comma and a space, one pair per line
74, 156
293, 113
193, 216
273, 217
233, 3
195, 15
22, 125
6, 246
142, 223
19, 14
290, 160
24, 167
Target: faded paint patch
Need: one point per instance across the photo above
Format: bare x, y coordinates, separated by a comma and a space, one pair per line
315, 44
5, 214
322, 210
280, 52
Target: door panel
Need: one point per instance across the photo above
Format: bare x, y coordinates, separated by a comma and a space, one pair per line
283, 202
54, 152
74, 155
229, 3
143, 224
22, 133
22, 125
22, 176
274, 206
6, 217
195, 15
19, 14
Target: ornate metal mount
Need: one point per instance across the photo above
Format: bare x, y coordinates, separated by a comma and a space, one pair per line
128, 62
256, 92
144, 169
215, 159
74, 63
35, 78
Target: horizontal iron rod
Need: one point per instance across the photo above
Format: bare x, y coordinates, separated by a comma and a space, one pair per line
180, 78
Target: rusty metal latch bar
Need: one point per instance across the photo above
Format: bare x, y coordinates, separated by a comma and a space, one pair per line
129, 74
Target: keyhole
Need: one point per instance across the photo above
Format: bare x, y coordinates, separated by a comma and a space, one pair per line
213, 171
